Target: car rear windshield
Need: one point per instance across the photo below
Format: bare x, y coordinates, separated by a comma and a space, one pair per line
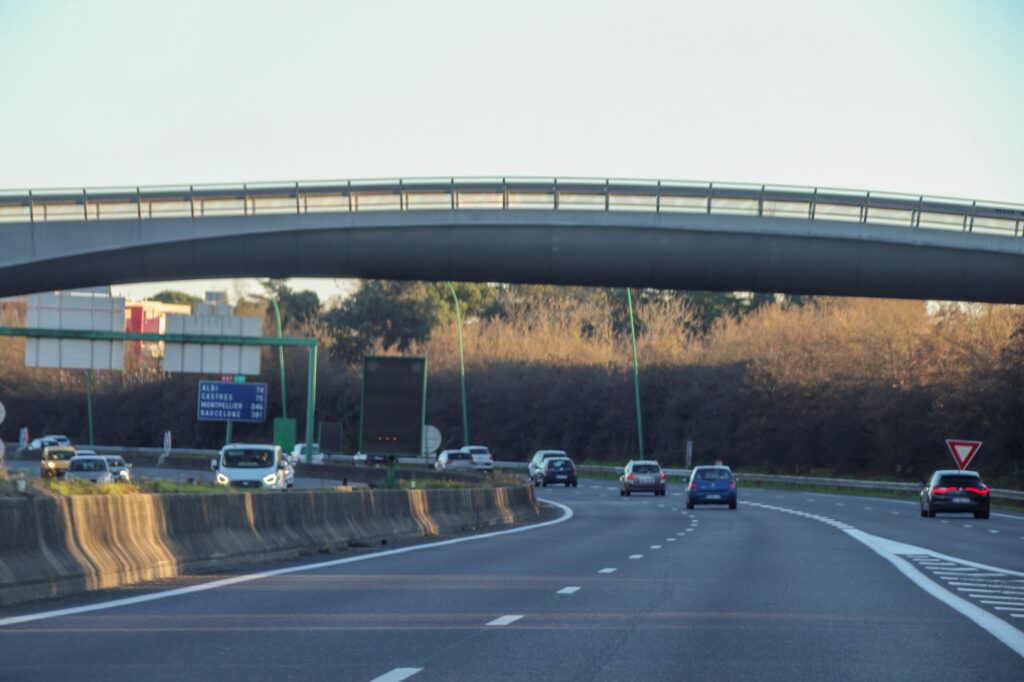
714, 474
59, 455
960, 481
560, 464
646, 468
249, 459
89, 465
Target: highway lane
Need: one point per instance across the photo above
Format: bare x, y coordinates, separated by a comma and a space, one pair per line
31, 469
664, 594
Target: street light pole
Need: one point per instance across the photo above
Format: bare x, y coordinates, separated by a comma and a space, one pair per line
636, 375
280, 358
462, 367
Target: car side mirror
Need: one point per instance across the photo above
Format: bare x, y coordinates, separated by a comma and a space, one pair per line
213, 464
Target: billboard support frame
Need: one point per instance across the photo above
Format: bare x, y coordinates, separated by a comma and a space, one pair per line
310, 344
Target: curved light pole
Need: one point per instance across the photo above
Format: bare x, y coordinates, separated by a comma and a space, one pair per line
462, 367
280, 358
636, 375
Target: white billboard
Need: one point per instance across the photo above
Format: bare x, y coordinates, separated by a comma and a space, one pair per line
212, 358
67, 311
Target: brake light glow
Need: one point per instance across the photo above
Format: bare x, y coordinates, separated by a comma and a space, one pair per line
629, 477
978, 491
732, 485
693, 486
663, 475
944, 489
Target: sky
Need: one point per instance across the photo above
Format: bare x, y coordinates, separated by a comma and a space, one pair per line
922, 97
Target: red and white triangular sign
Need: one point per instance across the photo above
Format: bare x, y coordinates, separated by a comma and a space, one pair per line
963, 451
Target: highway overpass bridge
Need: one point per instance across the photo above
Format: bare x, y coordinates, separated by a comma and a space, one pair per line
671, 235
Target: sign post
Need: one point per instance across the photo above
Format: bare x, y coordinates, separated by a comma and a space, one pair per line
689, 454
394, 407
963, 451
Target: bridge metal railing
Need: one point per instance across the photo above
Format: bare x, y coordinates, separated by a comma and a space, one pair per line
511, 194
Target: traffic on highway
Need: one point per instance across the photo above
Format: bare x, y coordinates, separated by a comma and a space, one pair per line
761, 592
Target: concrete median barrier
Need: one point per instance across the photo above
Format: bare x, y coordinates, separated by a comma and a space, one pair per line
53, 546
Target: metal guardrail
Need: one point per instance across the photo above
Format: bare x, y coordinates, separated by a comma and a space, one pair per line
509, 194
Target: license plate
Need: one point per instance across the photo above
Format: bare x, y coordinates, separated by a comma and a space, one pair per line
712, 497
961, 500
560, 478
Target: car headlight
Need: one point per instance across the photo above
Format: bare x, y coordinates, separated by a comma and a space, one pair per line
50, 464
222, 479
270, 479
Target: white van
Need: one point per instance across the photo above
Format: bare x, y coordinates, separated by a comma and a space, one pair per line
243, 465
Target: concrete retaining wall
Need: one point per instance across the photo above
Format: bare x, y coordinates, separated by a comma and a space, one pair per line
52, 546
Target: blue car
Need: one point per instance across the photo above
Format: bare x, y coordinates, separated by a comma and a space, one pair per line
711, 485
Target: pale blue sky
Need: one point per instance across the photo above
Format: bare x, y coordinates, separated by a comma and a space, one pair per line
908, 96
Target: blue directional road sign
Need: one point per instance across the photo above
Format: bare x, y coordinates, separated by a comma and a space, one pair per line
222, 401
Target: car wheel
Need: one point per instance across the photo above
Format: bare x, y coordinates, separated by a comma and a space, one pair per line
622, 493
923, 512
931, 513
545, 484
689, 505
536, 483
567, 484
628, 492
575, 484
732, 505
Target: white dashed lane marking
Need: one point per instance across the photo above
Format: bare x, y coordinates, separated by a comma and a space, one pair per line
636, 556
607, 570
397, 675
572, 589
505, 620
655, 546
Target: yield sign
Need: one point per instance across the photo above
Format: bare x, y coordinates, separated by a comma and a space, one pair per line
963, 451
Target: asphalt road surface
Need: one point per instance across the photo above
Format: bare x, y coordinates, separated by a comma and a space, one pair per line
791, 586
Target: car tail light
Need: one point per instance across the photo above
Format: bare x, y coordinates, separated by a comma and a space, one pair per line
978, 491
944, 489
663, 475
629, 477
732, 485
693, 486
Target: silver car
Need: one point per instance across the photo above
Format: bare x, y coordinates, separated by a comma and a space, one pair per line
482, 459
119, 469
88, 468
642, 476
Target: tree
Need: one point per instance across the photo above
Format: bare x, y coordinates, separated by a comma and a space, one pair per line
175, 296
297, 307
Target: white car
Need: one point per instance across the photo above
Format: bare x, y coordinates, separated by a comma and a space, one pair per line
481, 455
91, 468
242, 465
298, 454
536, 464
454, 460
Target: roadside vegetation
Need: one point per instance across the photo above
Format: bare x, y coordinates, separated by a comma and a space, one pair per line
858, 387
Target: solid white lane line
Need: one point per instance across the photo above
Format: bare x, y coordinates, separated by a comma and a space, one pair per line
504, 620
573, 589
896, 553
607, 570
636, 556
397, 675
655, 546
567, 514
